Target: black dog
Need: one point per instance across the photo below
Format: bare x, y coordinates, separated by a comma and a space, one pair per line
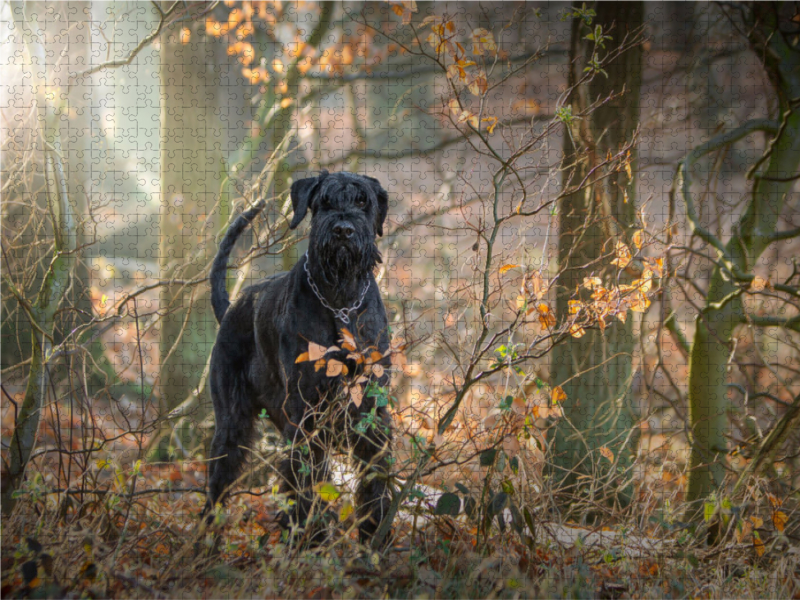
253, 364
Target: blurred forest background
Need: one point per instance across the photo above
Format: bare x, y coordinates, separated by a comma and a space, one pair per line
589, 265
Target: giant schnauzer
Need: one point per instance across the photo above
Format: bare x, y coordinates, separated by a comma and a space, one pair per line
253, 365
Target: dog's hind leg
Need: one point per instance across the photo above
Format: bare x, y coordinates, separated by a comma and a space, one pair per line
372, 449
234, 433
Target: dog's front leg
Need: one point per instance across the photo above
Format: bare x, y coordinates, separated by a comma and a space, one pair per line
305, 466
372, 448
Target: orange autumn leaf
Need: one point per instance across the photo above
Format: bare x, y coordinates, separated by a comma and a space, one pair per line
315, 351
214, 28
758, 284
557, 395
347, 340
455, 71
639, 302
656, 265
645, 284
356, 356
743, 530
405, 9
758, 544
357, 395
374, 357
628, 170
479, 85
605, 452
623, 254
591, 283
779, 519
546, 317
335, 368
469, 117
506, 268
637, 239
538, 285
483, 41
255, 75
577, 331
454, 106
527, 106
234, 18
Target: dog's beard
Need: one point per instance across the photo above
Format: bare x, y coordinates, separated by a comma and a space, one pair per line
342, 265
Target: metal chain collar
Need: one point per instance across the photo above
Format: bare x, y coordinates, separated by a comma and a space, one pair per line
340, 313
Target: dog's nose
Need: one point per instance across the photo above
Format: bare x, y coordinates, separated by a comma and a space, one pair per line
344, 230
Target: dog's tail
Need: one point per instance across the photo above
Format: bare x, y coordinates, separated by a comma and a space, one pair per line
219, 293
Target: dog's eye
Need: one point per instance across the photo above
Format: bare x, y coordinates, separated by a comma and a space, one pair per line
361, 202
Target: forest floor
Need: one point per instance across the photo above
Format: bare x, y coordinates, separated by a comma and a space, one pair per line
153, 547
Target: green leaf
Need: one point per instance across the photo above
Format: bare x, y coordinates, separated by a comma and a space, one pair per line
462, 488
487, 457
516, 519
708, 510
327, 491
500, 463
345, 511
528, 520
470, 506
498, 503
416, 494
448, 504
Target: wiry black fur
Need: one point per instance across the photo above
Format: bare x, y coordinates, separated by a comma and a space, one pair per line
263, 332
219, 295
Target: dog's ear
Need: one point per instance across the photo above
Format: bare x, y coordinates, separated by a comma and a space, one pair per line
301, 193
383, 204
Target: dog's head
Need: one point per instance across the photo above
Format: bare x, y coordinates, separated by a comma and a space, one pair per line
348, 212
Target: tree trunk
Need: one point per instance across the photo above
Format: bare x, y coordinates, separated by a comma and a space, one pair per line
282, 123
41, 313
711, 349
595, 370
191, 142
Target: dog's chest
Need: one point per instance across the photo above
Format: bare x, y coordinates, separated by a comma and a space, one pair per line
337, 354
